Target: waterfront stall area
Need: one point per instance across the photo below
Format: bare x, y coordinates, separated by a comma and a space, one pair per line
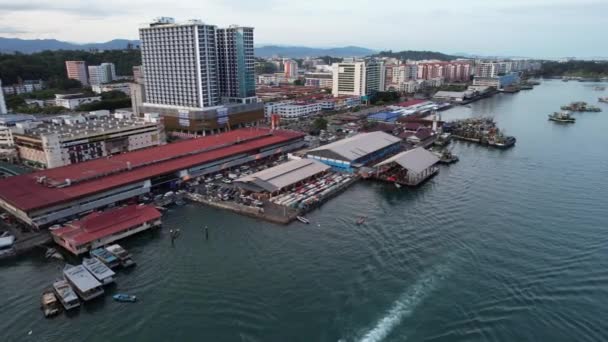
264, 194
409, 168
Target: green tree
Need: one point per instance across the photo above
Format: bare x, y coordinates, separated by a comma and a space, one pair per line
319, 124
14, 101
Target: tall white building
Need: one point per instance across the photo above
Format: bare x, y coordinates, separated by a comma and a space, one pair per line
3, 109
236, 62
375, 76
349, 79
180, 62
358, 78
103, 73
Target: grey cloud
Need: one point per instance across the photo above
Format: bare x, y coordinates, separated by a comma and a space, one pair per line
81, 8
11, 30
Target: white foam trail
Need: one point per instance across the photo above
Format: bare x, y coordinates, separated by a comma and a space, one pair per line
405, 305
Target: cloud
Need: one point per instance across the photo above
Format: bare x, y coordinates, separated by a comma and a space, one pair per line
74, 7
12, 30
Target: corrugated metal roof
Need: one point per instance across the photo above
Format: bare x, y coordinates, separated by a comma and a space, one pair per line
358, 146
81, 278
25, 193
98, 225
284, 175
416, 160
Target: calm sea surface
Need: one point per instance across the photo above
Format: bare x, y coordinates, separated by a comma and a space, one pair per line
502, 246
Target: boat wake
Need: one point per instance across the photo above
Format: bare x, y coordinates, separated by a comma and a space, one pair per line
405, 305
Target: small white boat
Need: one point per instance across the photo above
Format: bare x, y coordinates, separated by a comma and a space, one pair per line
303, 219
122, 255
398, 186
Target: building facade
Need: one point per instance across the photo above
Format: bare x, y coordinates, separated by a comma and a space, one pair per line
103, 73
375, 74
70, 139
180, 63
72, 101
77, 70
349, 79
290, 68
3, 109
236, 64
319, 79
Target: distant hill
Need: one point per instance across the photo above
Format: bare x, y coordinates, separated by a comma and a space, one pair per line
10, 45
417, 55
302, 51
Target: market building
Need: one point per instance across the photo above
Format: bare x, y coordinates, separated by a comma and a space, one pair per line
357, 151
46, 197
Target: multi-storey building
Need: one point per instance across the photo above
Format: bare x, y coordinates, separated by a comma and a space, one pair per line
3, 109
349, 79
185, 84
319, 79
374, 78
180, 63
290, 67
77, 70
103, 73
455, 71
72, 139
26, 86
236, 64
292, 109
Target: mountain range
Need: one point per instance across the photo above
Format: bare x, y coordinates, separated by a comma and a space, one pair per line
11, 45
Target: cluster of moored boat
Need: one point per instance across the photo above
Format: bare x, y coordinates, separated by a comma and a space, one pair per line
311, 193
581, 106
565, 116
480, 130
86, 281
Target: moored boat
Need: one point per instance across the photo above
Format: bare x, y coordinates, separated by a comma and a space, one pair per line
303, 219
603, 99
83, 282
563, 117
106, 257
7, 246
125, 257
122, 297
66, 294
49, 304
99, 270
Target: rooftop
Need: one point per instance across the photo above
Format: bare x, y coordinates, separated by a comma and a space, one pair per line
86, 127
63, 184
81, 278
353, 148
416, 160
281, 176
98, 225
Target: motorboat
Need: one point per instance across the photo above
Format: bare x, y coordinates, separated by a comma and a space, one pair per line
124, 298
303, 219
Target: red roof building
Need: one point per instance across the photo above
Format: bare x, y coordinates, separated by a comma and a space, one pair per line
101, 228
28, 194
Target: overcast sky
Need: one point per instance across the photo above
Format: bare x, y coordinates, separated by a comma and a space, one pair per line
535, 28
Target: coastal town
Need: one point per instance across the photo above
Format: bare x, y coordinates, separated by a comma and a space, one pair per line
213, 125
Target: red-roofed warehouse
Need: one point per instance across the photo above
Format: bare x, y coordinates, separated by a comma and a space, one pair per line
45, 197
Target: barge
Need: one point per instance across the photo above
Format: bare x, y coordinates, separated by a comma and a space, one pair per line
85, 285
99, 270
